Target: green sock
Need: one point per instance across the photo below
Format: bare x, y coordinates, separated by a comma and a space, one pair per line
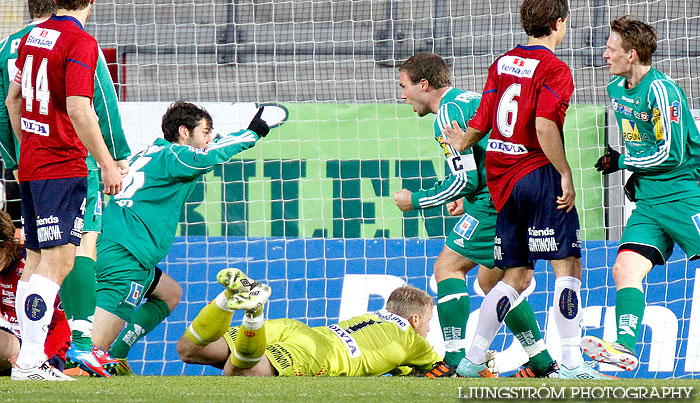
79, 300
144, 319
629, 310
453, 311
522, 323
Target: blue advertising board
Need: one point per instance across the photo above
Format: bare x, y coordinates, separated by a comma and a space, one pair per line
321, 280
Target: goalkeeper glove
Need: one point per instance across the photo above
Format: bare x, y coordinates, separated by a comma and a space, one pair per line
258, 125
608, 162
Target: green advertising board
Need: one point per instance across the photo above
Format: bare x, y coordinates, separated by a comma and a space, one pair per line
330, 171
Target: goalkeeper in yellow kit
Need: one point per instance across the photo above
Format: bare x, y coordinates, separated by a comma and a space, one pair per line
391, 340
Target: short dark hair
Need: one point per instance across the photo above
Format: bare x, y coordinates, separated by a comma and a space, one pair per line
406, 301
9, 245
428, 66
636, 35
539, 16
41, 8
183, 113
72, 4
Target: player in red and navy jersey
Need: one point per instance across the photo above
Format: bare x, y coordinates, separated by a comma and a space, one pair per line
523, 105
11, 267
49, 103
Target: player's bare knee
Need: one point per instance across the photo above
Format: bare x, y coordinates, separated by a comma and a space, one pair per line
618, 271
518, 278
450, 264
626, 275
570, 267
167, 290
186, 350
488, 278
175, 296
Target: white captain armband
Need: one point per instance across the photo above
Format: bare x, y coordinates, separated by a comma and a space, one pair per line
461, 163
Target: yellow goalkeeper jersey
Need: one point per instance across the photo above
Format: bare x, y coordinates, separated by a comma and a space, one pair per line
365, 345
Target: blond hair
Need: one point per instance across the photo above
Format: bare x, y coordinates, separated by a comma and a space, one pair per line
406, 301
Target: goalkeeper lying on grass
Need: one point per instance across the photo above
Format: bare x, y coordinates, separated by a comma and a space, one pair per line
391, 340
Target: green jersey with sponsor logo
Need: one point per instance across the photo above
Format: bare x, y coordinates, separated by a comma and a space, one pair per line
466, 173
9, 145
143, 217
104, 102
661, 139
373, 344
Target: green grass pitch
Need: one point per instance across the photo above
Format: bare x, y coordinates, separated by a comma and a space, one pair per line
195, 389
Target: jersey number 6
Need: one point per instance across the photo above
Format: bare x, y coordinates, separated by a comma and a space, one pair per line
508, 110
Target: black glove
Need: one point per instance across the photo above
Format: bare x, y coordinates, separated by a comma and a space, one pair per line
631, 189
608, 162
258, 125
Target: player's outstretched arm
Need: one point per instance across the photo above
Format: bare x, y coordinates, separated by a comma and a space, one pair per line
553, 147
88, 131
460, 139
193, 161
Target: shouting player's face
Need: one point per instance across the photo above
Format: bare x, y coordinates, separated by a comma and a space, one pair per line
414, 94
200, 136
618, 59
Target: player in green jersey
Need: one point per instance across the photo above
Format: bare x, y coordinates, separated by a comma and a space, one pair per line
391, 340
663, 146
425, 82
79, 304
140, 223
39, 11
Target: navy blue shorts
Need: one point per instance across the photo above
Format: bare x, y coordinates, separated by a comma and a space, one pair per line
52, 211
529, 227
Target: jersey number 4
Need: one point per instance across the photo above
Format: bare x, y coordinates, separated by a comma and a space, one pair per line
42, 85
508, 110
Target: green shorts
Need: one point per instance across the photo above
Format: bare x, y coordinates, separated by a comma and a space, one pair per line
291, 347
93, 204
473, 235
121, 279
656, 227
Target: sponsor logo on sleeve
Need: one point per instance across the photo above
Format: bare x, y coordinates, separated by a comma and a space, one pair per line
658, 126
42, 38
517, 66
675, 111
615, 104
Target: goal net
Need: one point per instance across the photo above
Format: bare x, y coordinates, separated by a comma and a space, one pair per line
310, 209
